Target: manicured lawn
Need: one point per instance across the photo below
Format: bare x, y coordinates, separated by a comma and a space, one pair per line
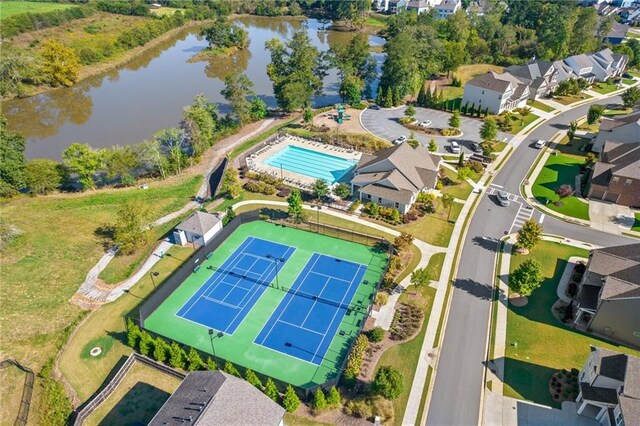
559, 170
136, 399
518, 123
541, 106
450, 92
105, 328
61, 241
569, 99
293, 420
636, 224
434, 228
578, 146
459, 188
623, 111
628, 81
405, 356
9, 8
537, 344
466, 72
604, 88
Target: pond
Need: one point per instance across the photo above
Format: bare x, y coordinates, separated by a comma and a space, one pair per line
127, 105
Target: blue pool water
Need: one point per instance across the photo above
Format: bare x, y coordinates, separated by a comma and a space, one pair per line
314, 164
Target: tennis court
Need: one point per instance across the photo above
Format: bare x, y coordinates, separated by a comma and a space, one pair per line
284, 302
229, 294
305, 321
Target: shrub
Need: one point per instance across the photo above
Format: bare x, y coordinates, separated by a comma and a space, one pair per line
476, 166
450, 132
382, 298
333, 397
290, 400
372, 209
388, 382
565, 191
354, 206
382, 408
342, 190
271, 390
354, 361
358, 408
195, 362
160, 350
403, 241
260, 187
211, 364
229, 368
252, 378
319, 401
376, 335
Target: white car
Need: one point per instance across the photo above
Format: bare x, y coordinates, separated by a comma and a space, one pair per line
455, 147
400, 140
425, 124
539, 144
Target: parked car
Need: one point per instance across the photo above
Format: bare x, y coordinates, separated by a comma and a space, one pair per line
376, 107
539, 144
425, 124
400, 140
475, 147
503, 198
454, 147
627, 75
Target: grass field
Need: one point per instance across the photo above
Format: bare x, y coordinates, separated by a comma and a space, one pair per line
44, 267
578, 146
450, 92
12, 379
239, 347
518, 123
405, 356
466, 72
559, 170
10, 8
628, 81
544, 344
541, 106
164, 11
434, 228
460, 189
136, 399
604, 88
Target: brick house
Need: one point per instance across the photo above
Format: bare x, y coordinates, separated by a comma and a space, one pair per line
616, 177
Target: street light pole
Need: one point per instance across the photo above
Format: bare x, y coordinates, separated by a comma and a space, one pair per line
153, 274
211, 332
319, 207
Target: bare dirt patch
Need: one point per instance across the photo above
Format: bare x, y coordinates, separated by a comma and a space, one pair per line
327, 119
518, 300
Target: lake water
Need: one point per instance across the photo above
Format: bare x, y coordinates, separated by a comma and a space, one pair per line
128, 105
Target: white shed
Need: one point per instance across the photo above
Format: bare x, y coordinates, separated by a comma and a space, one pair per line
198, 228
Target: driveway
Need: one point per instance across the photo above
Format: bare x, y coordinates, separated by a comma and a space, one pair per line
384, 124
609, 217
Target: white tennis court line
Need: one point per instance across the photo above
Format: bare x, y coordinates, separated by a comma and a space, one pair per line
301, 328
331, 276
315, 301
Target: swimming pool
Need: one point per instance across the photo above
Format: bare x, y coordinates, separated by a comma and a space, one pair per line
314, 164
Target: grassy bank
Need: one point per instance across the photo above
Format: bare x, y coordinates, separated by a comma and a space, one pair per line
10, 8
541, 106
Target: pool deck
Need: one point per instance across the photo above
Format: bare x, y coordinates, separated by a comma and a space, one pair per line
257, 162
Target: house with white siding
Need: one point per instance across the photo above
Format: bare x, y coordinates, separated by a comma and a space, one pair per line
496, 92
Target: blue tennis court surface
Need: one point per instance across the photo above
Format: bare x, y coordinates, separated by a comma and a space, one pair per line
307, 319
228, 295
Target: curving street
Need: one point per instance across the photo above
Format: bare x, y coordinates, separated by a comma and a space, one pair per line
459, 373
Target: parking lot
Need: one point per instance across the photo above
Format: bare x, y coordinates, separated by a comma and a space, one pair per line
384, 124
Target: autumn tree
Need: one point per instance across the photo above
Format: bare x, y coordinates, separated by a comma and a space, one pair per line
60, 64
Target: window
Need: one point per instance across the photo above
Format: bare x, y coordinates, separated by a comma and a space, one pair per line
368, 196
619, 420
483, 92
379, 200
615, 180
628, 182
397, 205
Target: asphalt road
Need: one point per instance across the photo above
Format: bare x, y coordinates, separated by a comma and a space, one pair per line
384, 123
458, 383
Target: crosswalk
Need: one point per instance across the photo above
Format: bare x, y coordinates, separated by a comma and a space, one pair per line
524, 213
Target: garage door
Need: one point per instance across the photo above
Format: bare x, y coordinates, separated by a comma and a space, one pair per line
597, 194
611, 197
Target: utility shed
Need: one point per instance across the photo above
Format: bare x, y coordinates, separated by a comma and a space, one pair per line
198, 228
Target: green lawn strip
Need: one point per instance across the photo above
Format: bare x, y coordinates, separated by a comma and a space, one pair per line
55, 252
604, 88
636, 224
541, 106
578, 146
499, 146
10, 8
629, 81
494, 304
293, 420
434, 228
406, 355
416, 255
451, 92
136, 399
239, 347
460, 189
105, 327
570, 99
559, 170
613, 112
259, 138
544, 344
518, 123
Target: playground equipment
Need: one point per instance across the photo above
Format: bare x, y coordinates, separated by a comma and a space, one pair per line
341, 114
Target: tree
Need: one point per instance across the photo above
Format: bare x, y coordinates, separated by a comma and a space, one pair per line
200, 120
230, 214
12, 158
342, 190
320, 188
454, 120
297, 70
83, 161
42, 176
464, 173
524, 112
420, 277
308, 115
333, 397
259, 109
447, 203
351, 89
195, 362
237, 88
160, 350
119, 162
60, 64
176, 356
145, 344
631, 96
410, 111
388, 382
223, 34
17, 69
489, 129
433, 146
594, 114
526, 278
295, 206
133, 334
252, 378
461, 159
130, 227
403, 241
319, 401
573, 128
271, 390
211, 364
355, 62
290, 400
229, 368
529, 235
565, 191
231, 183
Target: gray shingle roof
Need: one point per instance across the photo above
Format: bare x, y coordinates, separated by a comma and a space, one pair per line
617, 159
216, 398
199, 223
613, 123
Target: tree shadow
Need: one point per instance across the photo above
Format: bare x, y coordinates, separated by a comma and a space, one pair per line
529, 380
120, 336
566, 174
137, 406
623, 220
474, 288
105, 234
486, 243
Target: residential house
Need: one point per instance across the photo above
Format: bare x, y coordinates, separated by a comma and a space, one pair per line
622, 129
608, 64
582, 67
497, 92
380, 5
617, 34
447, 7
626, 3
564, 71
397, 6
395, 176
608, 297
199, 228
616, 177
215, 398
421, 6
630, 16
540, 76
610, 388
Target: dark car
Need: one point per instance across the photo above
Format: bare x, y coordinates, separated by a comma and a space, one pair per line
475, 147
376, 107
